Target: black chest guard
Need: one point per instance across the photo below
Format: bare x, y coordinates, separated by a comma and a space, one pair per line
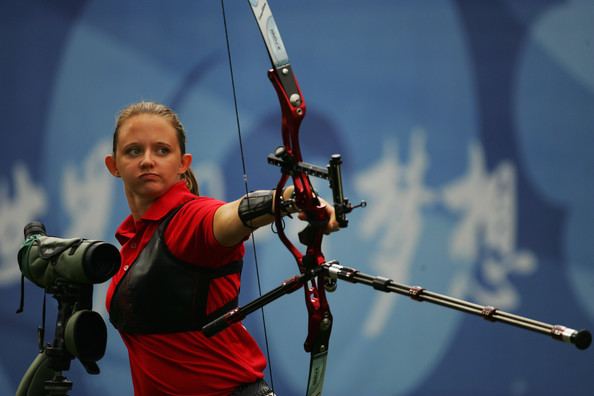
162, 294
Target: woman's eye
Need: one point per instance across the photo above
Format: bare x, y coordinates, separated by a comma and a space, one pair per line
133, 151
163, 150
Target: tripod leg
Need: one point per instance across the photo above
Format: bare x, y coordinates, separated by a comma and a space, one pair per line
33, 382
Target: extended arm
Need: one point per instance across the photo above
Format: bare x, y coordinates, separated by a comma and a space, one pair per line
235, 220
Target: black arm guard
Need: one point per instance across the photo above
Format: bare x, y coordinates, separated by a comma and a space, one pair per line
254, 205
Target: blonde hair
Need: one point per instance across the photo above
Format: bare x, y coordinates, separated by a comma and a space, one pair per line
167, 114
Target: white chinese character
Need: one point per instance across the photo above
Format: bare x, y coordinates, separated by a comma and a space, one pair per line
28, 203
394, 217
486, 233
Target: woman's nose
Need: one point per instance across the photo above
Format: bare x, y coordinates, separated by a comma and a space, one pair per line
147, 160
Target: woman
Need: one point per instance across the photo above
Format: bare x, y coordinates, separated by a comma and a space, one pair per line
181, 264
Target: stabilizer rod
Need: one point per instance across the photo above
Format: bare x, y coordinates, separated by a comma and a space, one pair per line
580, 338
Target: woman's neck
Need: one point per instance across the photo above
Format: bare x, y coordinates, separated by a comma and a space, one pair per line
138, 204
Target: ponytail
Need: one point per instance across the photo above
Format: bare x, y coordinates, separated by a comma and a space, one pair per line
191, 181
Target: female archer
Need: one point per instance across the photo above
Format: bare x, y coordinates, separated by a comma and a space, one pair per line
181, 264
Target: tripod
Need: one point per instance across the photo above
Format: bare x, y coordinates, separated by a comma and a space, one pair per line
79, 332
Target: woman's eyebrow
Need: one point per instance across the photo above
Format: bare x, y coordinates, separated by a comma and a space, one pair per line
125, 146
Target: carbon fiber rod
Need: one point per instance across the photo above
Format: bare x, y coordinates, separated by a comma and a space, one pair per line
581, 339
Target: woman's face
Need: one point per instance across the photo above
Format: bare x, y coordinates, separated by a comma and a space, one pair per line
148, 156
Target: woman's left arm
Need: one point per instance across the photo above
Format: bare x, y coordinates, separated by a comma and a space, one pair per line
233, 222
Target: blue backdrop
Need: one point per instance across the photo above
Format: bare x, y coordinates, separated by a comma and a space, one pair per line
468, 126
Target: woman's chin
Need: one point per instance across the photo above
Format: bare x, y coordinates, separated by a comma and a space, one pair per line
151, 190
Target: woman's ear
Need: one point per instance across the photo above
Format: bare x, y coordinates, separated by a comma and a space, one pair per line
186, 162
110, 164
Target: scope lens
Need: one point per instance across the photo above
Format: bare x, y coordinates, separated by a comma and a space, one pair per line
86, 335
101, 262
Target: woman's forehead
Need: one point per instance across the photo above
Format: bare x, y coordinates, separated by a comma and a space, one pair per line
147, 125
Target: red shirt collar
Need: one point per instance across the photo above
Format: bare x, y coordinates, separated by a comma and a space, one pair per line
178, 194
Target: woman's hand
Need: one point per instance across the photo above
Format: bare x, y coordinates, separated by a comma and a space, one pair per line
332, 225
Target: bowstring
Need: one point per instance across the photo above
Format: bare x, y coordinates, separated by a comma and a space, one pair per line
245, 183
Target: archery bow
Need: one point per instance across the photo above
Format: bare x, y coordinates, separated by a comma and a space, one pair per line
316, 274
288, 157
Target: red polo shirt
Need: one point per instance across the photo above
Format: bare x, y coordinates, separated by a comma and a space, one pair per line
188, 363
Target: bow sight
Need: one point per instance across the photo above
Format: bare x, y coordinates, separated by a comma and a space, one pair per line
332, 173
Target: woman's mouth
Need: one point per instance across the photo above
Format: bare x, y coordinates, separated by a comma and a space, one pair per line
149, 176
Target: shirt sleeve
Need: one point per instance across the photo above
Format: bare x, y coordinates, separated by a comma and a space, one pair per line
190, 235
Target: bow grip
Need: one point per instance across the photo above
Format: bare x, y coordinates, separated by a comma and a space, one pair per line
312, 233
307, 235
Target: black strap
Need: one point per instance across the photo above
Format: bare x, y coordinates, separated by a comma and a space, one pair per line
22, 300
233, 267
